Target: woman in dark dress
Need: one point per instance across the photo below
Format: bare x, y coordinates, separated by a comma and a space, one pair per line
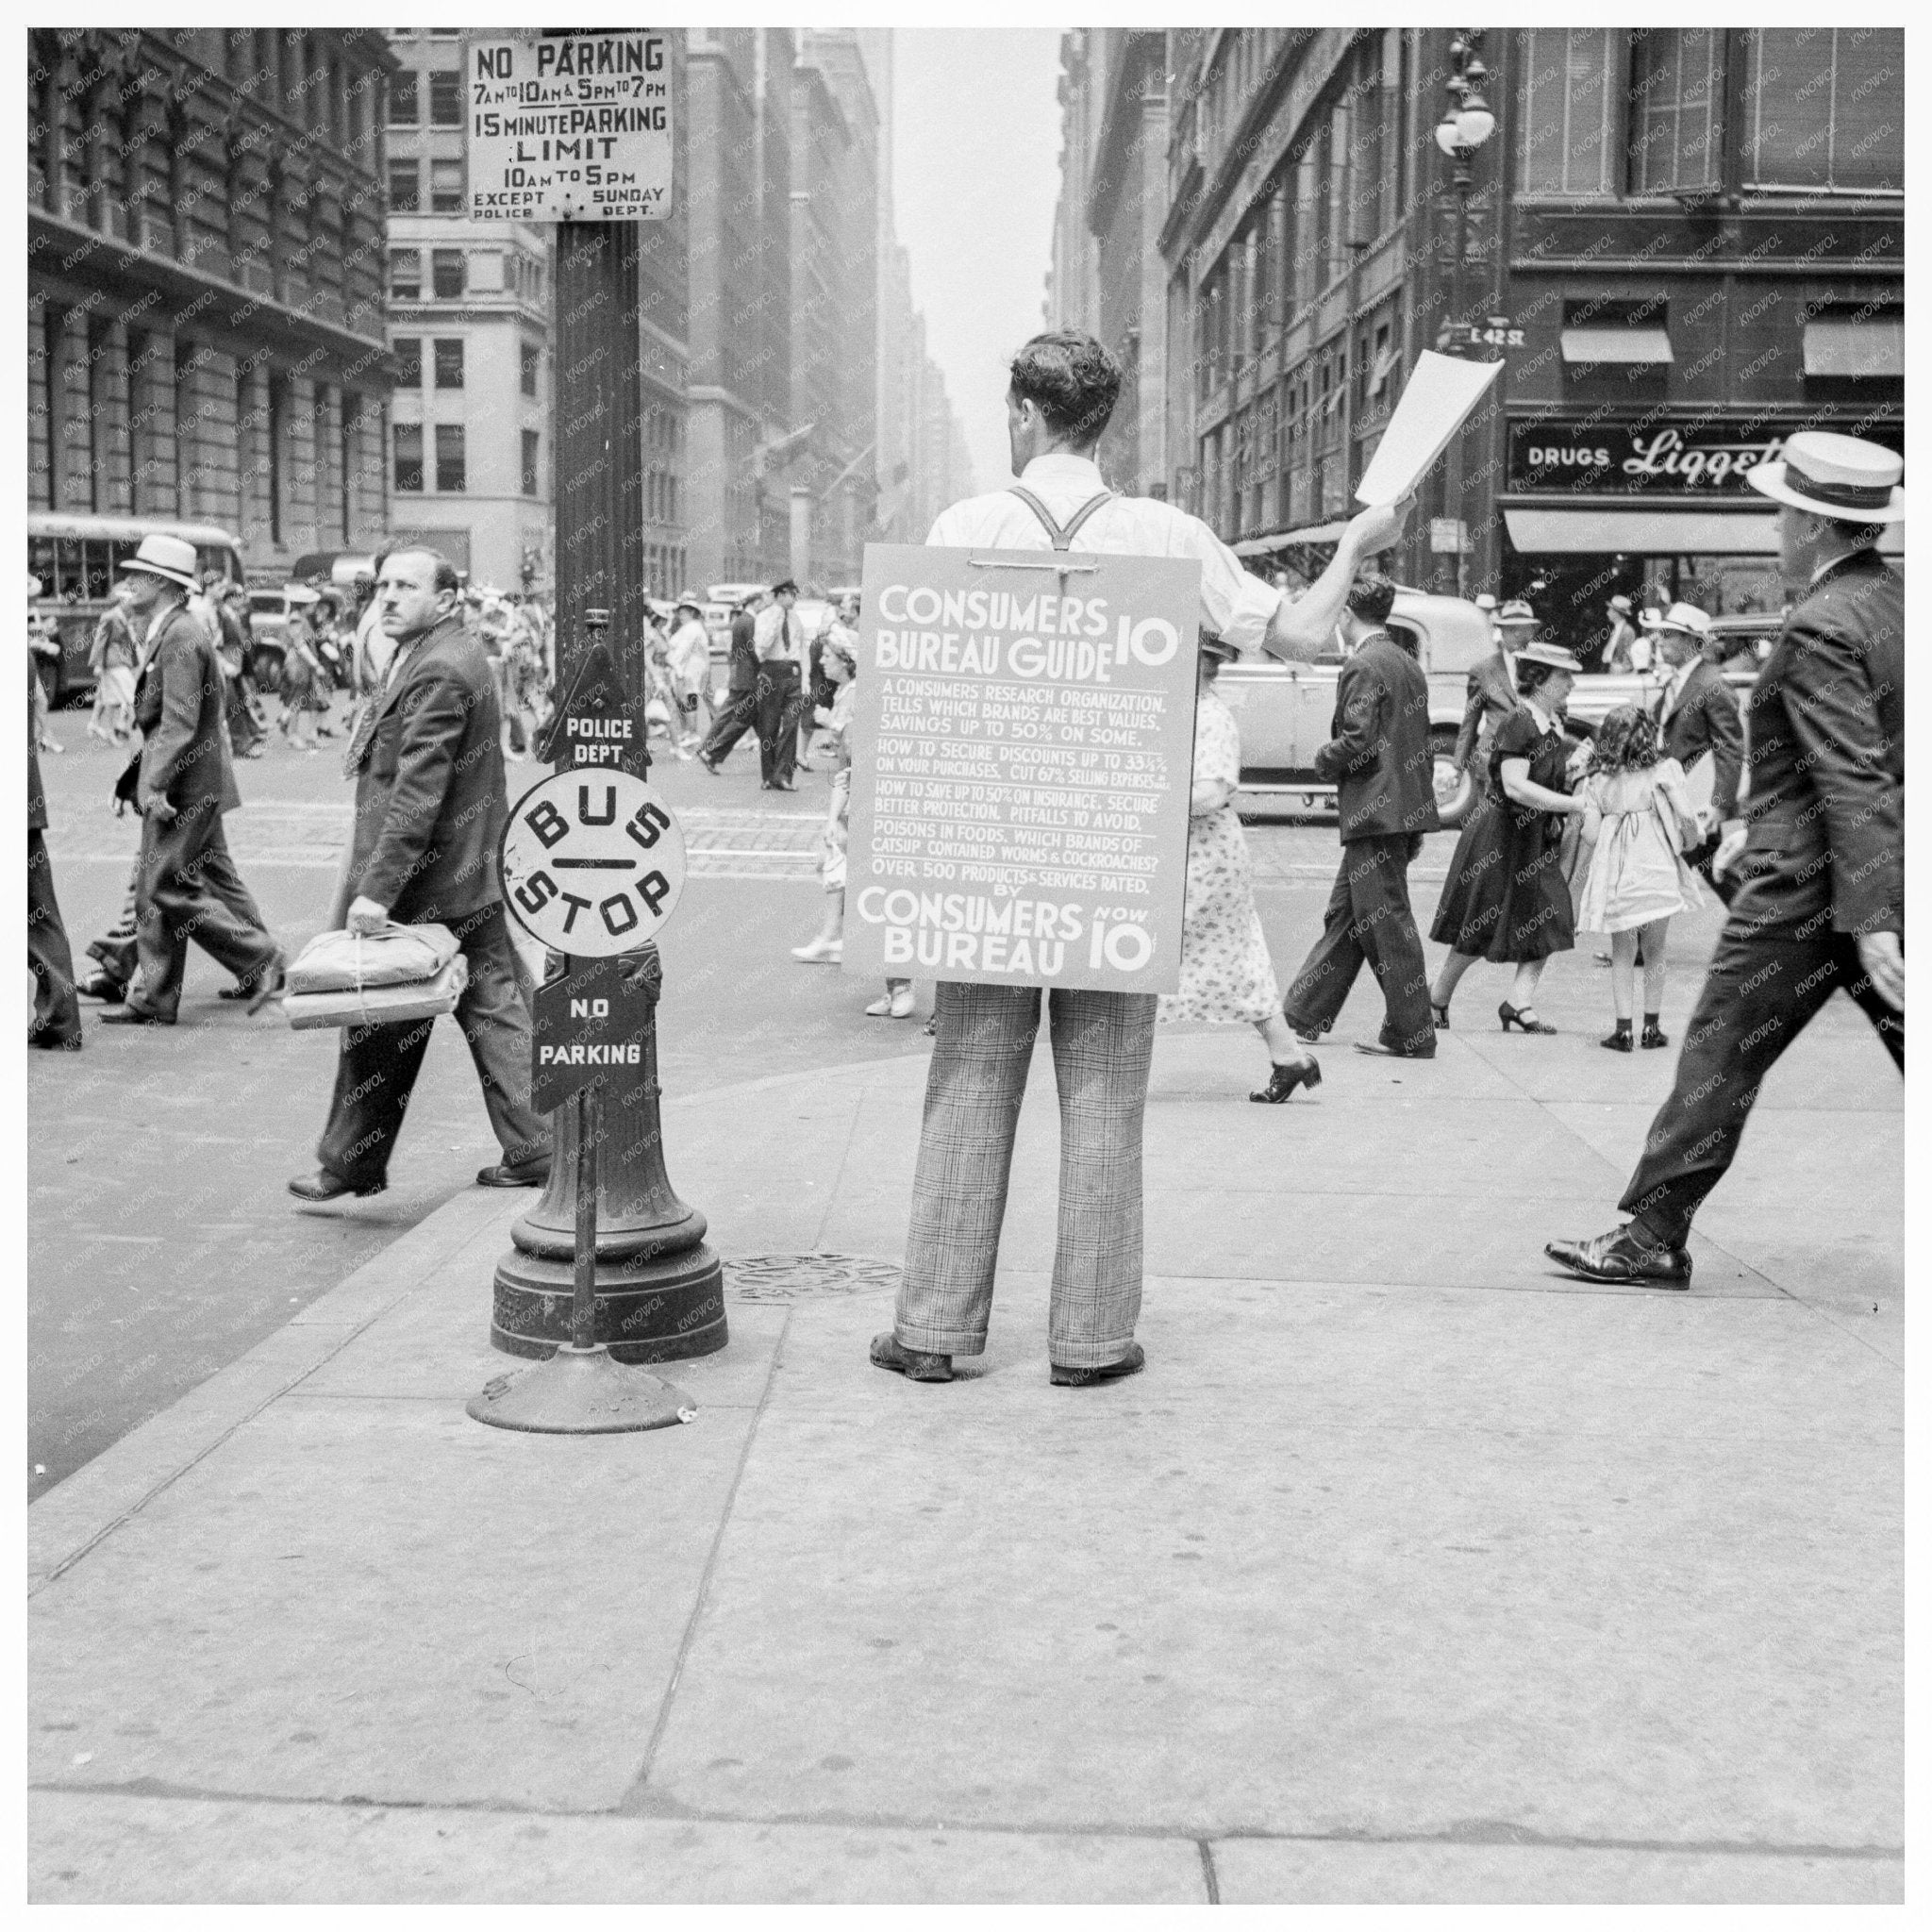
1506, 898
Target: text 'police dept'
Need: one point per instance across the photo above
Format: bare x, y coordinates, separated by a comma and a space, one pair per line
995, 632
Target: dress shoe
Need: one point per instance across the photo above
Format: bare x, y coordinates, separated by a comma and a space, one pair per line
97, 986
1619, 1040
1383, 1049
1285, 1077
914, 1364
1129, 1364
1524, 1017
820, 952
1622, 1256
56, 1043
324, 1186
503, 1176
272, 980
1654, 1036
131, 1015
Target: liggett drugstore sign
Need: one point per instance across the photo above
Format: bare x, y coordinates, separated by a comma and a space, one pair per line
1576, 455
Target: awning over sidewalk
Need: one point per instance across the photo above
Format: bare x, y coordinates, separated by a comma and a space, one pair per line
1284, 540
1874, 347
1639, 347
1655, 532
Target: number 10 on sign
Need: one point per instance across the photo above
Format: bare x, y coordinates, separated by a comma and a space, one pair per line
592, 863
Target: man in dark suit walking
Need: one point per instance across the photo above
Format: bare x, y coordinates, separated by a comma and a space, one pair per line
740, 713
1821, 856
186, 883
430, 805
1697, 718
1383, 767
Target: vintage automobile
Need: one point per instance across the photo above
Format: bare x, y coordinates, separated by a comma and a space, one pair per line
1286, 709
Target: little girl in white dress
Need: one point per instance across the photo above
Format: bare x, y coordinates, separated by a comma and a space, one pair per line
1637, 818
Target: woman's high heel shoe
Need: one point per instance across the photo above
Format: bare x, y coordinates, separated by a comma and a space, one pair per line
1286, 1077
1524, 1017
1440, 1014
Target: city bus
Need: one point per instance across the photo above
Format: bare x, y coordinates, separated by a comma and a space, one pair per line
76, 560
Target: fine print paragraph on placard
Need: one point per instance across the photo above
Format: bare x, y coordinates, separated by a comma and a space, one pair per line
1023, 756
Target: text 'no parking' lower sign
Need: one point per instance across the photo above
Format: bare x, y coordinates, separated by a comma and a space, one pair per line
592, 863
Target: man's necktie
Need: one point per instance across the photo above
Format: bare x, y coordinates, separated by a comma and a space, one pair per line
365, 725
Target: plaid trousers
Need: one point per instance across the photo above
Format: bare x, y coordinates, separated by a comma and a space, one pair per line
1103, 1045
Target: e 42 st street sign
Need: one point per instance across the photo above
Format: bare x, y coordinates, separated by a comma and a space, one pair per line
570, 128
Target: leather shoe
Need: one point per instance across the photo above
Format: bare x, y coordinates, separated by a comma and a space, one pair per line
272, 980
1129, 1364
914, 1364
97, 986
1385, 1050
1622, 1256
131, 1015
324, 1186
503, 1176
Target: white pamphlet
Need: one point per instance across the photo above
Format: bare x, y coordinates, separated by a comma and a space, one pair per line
1440, 393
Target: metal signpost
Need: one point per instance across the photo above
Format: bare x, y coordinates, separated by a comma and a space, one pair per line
609, 1270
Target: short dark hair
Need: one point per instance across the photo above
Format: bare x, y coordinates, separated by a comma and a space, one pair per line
1531, 677
1072, 380
447, 577
785, 584
1856, 531
1371, 597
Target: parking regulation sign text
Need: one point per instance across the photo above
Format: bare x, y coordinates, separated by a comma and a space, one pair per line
571, 127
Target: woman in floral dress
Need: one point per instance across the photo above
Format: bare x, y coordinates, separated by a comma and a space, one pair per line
1226, 975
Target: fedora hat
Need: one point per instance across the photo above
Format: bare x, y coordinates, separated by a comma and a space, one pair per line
688, 602
1684, 617
1622, 604
1516, 611
1835, 476
171, 558
1552, 655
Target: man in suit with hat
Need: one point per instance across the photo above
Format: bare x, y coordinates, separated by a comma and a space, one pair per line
1697, 718
1820, 856
186, 883
1492, 688
430, 806
1384, 773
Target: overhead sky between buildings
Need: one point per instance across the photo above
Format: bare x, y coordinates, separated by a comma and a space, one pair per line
976, 169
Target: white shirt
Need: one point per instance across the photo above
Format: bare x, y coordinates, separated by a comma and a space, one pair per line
688, 653
1673, 691
1235, 604
373, 645
779, 634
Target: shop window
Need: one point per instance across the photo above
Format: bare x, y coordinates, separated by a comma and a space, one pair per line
528, 354
446, 272
406, 274
1566, 116
405, 187
451, 469
408, 442
408, 355
1676, 110
446, 99
449, 362
448, 194
1825, 107
403, 110
531, 441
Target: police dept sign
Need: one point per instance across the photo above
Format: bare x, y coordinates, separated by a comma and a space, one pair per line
592, 863
570, 128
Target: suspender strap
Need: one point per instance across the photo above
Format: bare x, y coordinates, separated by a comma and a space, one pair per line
1061, 537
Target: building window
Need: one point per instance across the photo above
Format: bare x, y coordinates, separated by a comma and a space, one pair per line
450, 472
530, 444
526, 360
402, 99
447, 195
409, 456
446, 271
1676, 109
406, 274
1825, 107
449, 362
1566, 118
408, 355
405, 187
446, 99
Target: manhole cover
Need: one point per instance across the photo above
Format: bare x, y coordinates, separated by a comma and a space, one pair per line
791, 1277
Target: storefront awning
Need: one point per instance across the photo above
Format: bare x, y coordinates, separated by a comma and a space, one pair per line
1283, 540
1636, 346
1685, 532
1875, 347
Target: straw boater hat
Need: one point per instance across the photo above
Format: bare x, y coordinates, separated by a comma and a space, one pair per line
688, 602
1622, 604
1684, 617
1516, 611
1553, 654
1835, 476
169, 558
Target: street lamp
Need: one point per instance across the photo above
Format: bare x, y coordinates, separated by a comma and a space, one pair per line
1467, 122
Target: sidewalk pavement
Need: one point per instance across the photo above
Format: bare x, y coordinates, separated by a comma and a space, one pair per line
1409, 1570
